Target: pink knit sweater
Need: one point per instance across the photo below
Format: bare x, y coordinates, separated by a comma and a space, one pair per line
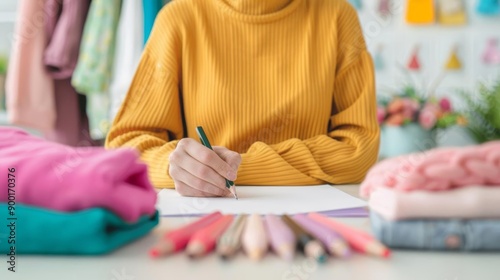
53, 176
437, 169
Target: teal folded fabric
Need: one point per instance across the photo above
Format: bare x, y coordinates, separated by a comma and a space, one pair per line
89, 232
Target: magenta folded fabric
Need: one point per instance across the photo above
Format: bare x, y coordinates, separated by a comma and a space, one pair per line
54, 176
438, 169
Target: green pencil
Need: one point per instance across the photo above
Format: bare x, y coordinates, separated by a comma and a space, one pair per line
204, 140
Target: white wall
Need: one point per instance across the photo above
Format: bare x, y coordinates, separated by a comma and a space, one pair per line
7, 18
435, 41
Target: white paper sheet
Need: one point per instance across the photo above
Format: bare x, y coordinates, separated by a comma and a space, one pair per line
262, 200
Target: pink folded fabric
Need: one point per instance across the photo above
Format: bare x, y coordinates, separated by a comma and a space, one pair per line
438, 169
58, 177
464, 203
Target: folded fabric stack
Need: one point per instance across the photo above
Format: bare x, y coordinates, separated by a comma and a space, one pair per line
61, 200
443, 199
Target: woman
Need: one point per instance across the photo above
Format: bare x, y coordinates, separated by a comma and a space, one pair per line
284, 88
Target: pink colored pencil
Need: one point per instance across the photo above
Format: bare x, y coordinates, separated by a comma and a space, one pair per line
204, 240
332, 241
176, 240
281, 237
359, 240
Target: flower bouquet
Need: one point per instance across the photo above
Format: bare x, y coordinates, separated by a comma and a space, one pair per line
409, 121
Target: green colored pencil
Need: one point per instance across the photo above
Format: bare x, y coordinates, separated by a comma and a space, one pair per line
204, 140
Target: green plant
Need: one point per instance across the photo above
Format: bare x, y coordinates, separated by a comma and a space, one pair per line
483, 112
3, 64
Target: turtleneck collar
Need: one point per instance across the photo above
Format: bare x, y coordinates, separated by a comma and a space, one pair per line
258, 11
257, 7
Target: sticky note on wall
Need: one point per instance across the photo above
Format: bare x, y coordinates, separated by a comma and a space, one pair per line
451, 12
488, 7
420, 12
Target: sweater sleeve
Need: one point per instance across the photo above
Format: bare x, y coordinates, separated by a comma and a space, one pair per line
150, 117
350, 146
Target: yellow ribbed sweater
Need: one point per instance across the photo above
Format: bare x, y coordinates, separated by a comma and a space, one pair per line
286, 83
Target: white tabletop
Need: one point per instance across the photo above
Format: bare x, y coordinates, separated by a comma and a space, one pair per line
132, 263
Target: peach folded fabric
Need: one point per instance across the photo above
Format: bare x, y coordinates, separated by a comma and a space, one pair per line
464, 203
436, 170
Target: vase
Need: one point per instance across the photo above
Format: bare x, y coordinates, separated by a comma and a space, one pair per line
2, 92
406, 139
454, 136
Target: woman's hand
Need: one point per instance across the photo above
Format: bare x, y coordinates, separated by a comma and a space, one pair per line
199, 171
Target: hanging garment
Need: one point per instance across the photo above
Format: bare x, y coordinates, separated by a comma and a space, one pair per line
453, 62
94, 68
71, 179
357, 4
420, 12
384, 8
488, 7
128, 51
72, 125
98, 108
64, 27
491, 54
91, 231
29, 88
150, 10
414, 63
93, 73
451, 12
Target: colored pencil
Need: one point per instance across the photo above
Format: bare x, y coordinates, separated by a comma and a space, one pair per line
332, 241
254, 239
204, 140
359, 240
230, 242
204, 240
176, 240
310, 246
281, 237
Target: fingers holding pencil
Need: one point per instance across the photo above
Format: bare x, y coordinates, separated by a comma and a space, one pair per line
199, 171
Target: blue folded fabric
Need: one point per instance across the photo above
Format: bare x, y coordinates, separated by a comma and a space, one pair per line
452, 234
89, 232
